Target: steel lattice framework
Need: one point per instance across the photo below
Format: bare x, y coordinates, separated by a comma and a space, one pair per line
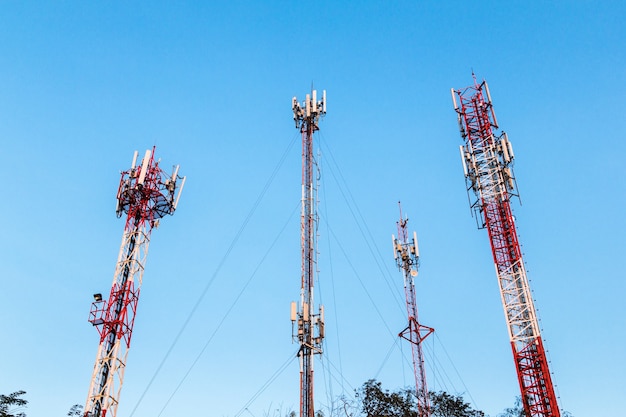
487, 163
146, 193
407, 258
310, 327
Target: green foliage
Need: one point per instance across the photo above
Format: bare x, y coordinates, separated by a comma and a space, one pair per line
76, 410
445, 405
376, 402
518, 410
11, 404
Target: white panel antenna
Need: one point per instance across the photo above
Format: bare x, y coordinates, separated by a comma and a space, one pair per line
308, 105
180, 191
487, 91
417, 249
293, 311
144, 167
510, 147
463, 160
134, 160
505, 149
456, 106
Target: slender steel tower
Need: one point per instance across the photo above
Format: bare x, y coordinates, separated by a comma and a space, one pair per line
487, 158
407, 258
146, 193
310, 327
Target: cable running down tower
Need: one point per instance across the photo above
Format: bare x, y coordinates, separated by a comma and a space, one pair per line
146, 193
406, 254
310, 327
487, 164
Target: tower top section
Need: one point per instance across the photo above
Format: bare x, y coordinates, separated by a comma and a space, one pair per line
405, 252
487, 153
309, 110
146, 192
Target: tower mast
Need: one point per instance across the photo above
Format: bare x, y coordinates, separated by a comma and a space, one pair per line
407, 258
310, 327
487, 164
146, 193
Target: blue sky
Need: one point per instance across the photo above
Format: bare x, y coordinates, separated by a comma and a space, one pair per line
83, 85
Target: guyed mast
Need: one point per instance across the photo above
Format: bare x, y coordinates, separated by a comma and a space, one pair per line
406, 253
310, 326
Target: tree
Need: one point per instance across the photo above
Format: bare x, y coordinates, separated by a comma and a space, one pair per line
518, 410
76, 410
10, 405
446, 405
376, 402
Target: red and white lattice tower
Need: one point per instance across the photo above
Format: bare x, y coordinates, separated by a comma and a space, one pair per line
146, 193
310, 327
487, 163
407, 255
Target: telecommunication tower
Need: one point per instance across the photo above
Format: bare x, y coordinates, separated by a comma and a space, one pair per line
310, 327
407, 255
487, 164
146, 193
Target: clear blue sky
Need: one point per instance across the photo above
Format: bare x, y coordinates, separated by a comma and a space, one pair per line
84, 84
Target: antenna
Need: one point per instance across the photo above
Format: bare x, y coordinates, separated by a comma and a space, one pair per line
456, 106
182, 184
463, 160
144, 167
134, 160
